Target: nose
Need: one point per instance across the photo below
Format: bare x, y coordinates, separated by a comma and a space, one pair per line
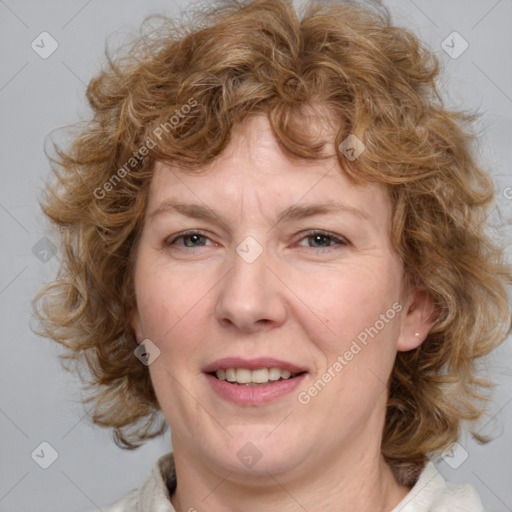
251, 296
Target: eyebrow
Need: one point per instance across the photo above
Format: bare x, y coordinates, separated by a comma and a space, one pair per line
294, 212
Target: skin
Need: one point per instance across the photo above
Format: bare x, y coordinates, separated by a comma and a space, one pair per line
303, 300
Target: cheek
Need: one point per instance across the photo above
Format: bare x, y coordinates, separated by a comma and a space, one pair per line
169, 302
345, 302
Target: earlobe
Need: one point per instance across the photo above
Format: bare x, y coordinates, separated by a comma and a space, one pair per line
420, 316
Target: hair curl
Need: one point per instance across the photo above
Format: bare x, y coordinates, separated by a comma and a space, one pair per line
249, 58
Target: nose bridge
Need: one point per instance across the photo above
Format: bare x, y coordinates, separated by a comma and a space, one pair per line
249, 295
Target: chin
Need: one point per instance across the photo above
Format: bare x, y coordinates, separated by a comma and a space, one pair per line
252, 451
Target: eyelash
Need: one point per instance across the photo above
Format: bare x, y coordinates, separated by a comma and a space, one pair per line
339, 240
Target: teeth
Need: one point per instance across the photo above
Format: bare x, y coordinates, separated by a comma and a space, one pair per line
259, 376
274, 374
243, 376
285, 374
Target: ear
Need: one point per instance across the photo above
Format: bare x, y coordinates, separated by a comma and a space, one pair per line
419, 316
135, 325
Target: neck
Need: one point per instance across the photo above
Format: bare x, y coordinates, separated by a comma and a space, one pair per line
356, 481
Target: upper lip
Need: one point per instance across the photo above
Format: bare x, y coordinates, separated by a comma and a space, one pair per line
252, 364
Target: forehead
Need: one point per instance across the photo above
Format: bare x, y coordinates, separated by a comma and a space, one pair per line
254, 173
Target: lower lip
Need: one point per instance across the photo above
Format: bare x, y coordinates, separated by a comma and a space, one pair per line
254, 395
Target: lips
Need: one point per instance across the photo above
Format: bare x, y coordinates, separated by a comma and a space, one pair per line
250, 394
252, 364
236, 386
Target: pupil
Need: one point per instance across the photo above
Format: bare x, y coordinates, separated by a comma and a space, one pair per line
319, 238
193, 239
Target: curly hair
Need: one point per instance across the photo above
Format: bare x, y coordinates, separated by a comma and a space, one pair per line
175, 95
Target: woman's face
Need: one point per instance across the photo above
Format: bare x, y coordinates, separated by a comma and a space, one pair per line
264, 264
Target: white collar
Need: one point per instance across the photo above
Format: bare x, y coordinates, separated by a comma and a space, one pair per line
431, 493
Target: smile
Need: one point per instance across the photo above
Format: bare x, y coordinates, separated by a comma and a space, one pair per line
258, 377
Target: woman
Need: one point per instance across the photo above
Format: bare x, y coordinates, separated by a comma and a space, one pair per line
275, 241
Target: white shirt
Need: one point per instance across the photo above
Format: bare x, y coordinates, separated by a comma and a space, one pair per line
431, 493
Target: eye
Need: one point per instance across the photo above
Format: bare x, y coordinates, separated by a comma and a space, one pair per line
322, 238
317, 239
190, 239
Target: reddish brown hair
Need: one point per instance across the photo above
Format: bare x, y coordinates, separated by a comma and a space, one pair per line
249, 58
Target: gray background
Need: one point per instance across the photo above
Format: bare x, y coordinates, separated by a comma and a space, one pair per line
38, 400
